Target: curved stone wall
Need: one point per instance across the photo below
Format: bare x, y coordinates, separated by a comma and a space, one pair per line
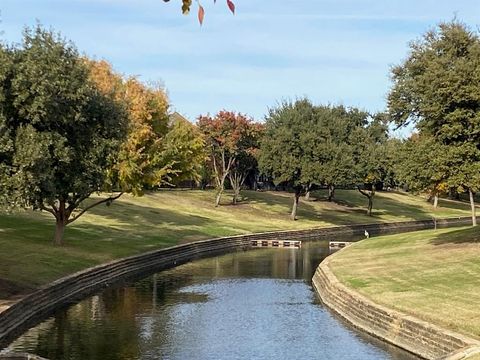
419, 337
40, 304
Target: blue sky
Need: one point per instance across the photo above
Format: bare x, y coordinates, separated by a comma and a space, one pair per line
333, 51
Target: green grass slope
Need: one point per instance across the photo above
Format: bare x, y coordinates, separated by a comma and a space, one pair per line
434, 275
133, 225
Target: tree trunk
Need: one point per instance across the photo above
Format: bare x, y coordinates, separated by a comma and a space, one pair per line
236, 180
307, 195
331, 192
218, 197
370, 196
370, 200
59, 230
370, 205
435, 201
308, 190
296, 199
236, 195
220, 189
472, 204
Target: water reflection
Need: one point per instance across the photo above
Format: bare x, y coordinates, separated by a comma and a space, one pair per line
253, 305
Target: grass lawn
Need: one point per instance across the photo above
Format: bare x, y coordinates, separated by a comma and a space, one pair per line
434, 275
133, 225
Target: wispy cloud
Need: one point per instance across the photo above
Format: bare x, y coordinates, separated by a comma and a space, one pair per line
335, 51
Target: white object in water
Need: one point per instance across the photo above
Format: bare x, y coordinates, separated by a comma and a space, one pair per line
367, 235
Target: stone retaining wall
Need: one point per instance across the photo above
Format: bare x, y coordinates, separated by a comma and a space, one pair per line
42, 303
419, 337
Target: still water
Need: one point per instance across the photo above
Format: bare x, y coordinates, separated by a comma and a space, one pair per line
249, 305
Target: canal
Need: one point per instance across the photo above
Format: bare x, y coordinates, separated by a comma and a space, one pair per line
257, 304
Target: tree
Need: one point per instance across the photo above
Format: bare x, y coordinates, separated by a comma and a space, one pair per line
337, 145
422, 165
58, 132
184, 149
148, 157
246, 160
437, 88
227, 135
6, 111
287, 151
372, 158
464, 165
70, 127
142, 159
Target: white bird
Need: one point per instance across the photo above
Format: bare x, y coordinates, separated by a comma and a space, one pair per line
367, 235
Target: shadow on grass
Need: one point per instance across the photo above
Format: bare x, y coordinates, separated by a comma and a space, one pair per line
460, 236
455, 204
356, 203
129, 215
127, 225
338, 212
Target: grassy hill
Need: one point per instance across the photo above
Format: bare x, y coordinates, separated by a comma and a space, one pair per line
133, 225
433, 275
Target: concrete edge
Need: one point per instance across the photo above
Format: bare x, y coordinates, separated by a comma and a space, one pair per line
20, 356
40, 304
419, 337
464, 354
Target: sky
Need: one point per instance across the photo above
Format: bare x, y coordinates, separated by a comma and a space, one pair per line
332, 51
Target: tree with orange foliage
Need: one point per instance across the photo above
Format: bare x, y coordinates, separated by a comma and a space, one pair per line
141, 160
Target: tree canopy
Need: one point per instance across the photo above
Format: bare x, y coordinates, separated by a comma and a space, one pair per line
436, 87
337, 145
422, 165
184, 149
71, 127
289, 147
228, 135
59, 133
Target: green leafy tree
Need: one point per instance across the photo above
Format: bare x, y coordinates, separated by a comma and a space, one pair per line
422, 165
6, 112
464, 165
185, 150
436, 87
288, 149
58, 132
337, 146
373, 160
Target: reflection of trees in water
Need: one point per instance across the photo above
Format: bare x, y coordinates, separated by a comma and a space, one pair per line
126, 322
101, 327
